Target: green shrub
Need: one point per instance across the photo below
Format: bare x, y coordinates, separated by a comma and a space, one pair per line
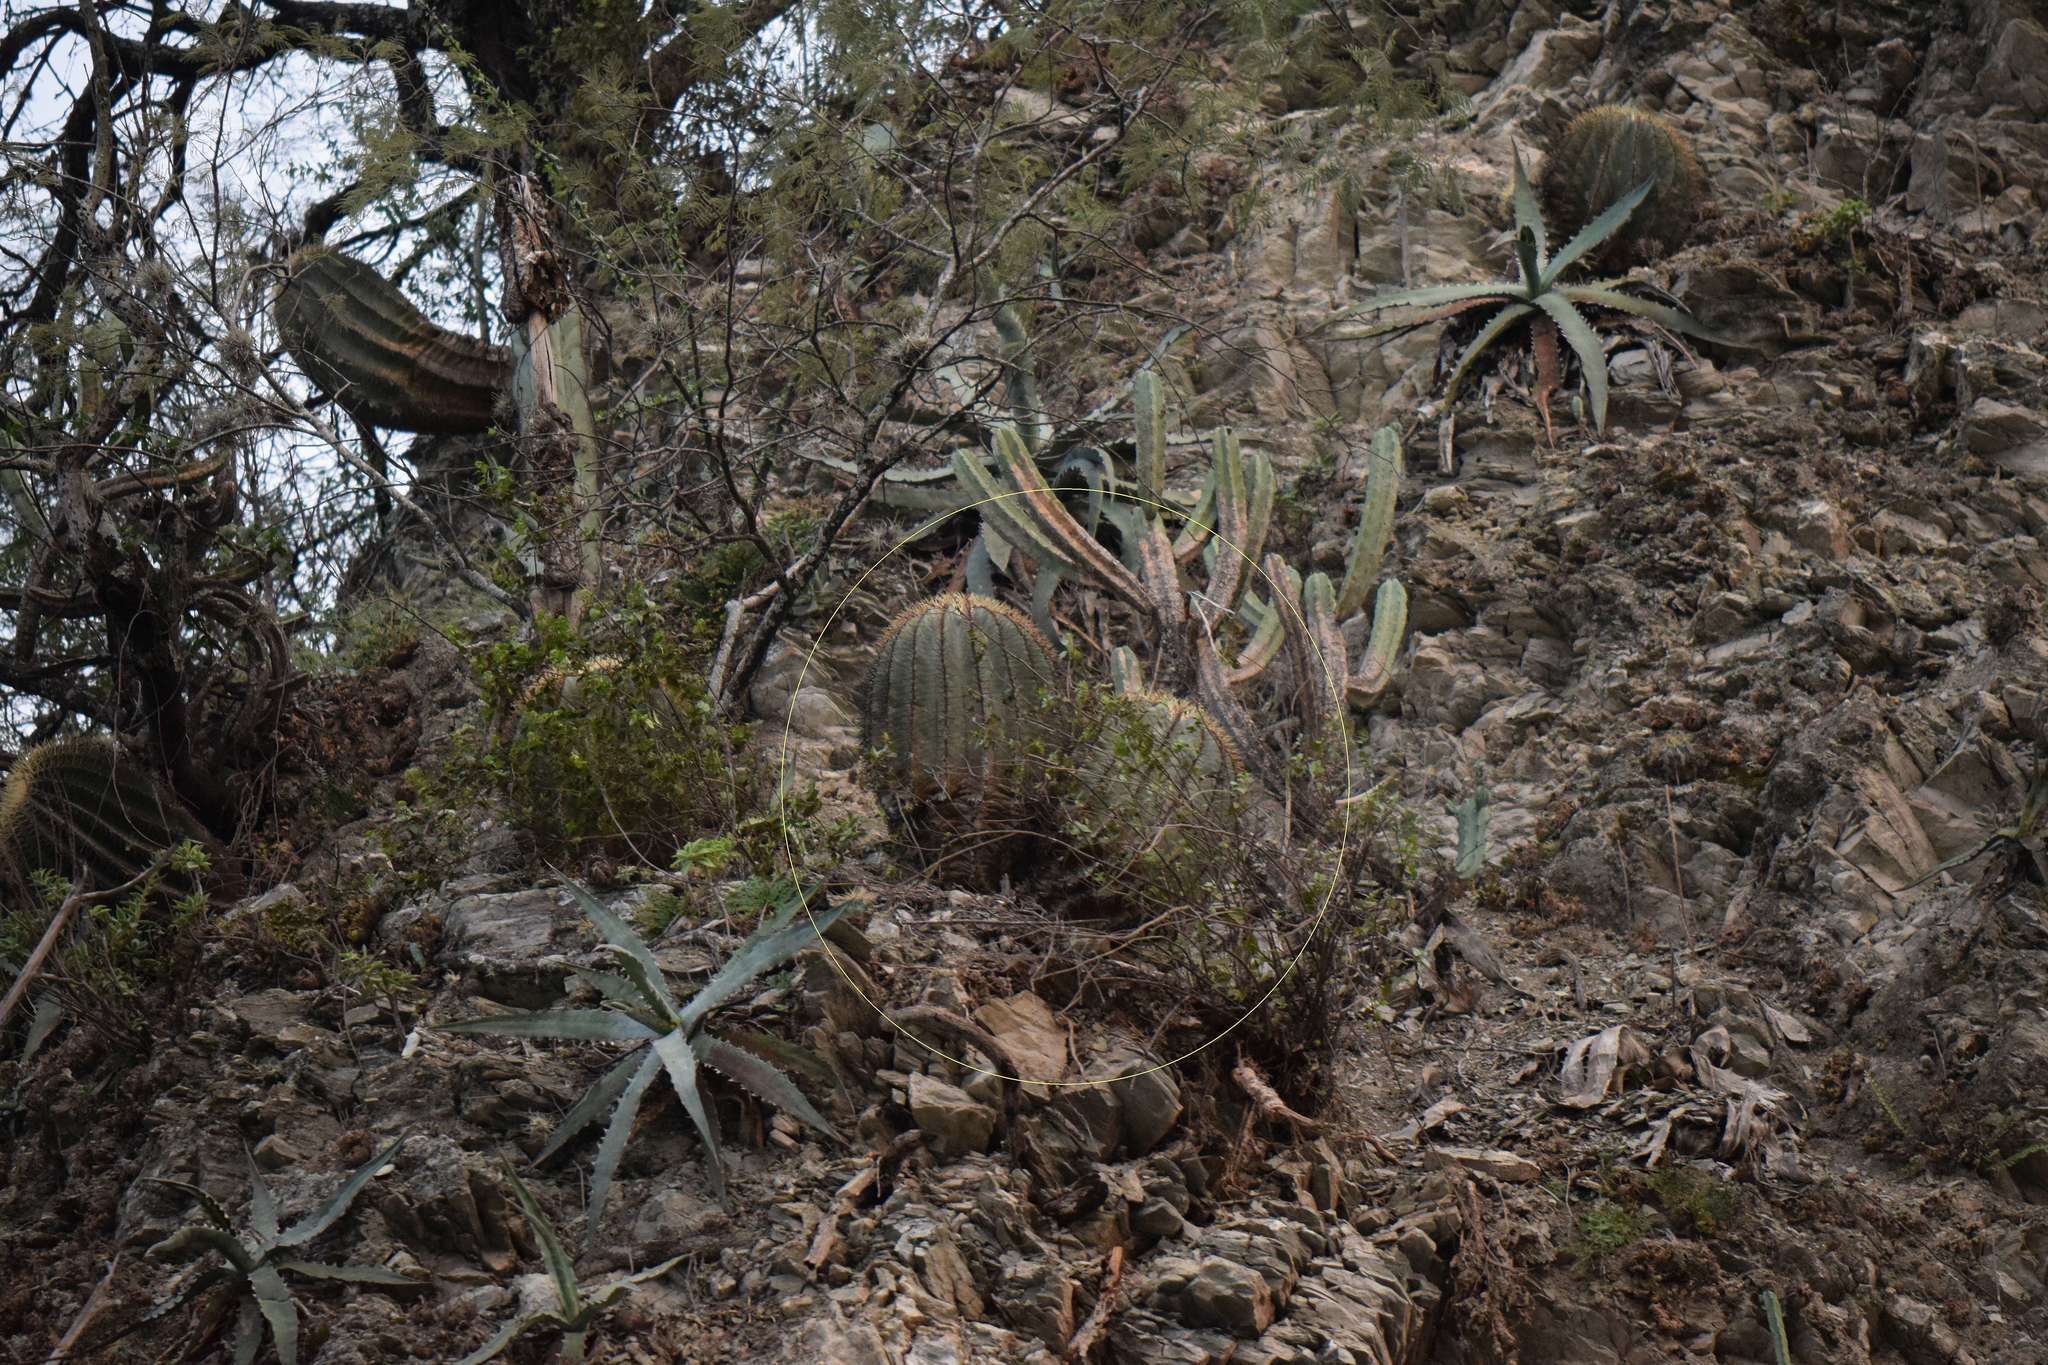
603, 745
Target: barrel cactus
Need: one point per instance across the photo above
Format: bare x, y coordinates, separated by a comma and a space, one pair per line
953, 698
363, 344
1603, 156
1157, 755
84, 810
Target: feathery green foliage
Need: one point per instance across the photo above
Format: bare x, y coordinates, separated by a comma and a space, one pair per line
954, 696
85, 811
258, 1261
639, 1008
363, 344
1538, 296
1604, 154
577, 1305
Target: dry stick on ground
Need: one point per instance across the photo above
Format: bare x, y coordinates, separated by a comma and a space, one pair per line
1267, 1102
94, 1302
1105, 1304
825, 1246
966, 1031
36, 959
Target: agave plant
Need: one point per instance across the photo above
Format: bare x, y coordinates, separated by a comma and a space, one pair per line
1539, 296
639, 1008
577, 1305
258, 1261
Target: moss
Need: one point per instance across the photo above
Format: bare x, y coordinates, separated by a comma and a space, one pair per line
1697, 1204
1605, 1230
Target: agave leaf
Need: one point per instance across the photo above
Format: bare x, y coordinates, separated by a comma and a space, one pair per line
574, 1025
649, 988
620, 936
595, 1103
49, 1012
208, 1205
187, 1241
762, 1079
1529, 261
782, 1053
1495, 325
275, 1303
768, 948
262, 1204
615, 989
616, 1134
560, 1267
193, 1288
676, 1054
349, 1274
1529, 221
1389, 624
495, 1347
607, 1292
317, 1222
1474, 813
1597, 231
1375, 523
1429, 296
1677, 320
248, 1332
1585, 341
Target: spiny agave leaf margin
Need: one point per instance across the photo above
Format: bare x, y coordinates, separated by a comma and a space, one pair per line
313, 1224
262, 1204
560, 1268
274, 1300
1585, 341
620, 936
761, 1077
606, 1293
208, 1205
185, 1239
348, 1274
248, 1331
573, 1025
1677, 320
504, 1337
770, 946
1488, 334
616, 1135
681, 1062
1596, 232
592, 1106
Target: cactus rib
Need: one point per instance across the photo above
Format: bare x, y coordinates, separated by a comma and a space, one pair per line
86, 811
364, 345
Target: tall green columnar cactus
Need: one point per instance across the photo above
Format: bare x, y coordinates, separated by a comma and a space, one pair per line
1604, 155
84, 810
363, 344
954, 696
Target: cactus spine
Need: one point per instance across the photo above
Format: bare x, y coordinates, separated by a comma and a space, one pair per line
363, 344
953, 695
84, 810
1604, 155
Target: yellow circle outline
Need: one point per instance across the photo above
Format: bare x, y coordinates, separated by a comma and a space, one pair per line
803, 897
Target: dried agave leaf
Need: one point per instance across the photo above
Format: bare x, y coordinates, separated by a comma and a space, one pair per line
1593, 1064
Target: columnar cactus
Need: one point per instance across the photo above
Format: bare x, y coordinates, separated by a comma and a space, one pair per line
954, 695
84, 810
363, 344
1603, 156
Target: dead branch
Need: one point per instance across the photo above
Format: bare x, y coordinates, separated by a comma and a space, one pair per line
1105, 1305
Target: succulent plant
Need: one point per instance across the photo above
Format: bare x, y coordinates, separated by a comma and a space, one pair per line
363, 344
258, 1261
668, 1036
83, 809
1183, 754
1604, 154
953, 695
576, 1305
1538, 296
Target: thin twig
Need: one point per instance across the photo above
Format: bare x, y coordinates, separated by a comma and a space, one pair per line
34, 966
1105, 1304
1267, 1101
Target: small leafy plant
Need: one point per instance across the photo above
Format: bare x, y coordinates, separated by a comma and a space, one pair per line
578, 1305
1539, 296
258, 1261
640, 1009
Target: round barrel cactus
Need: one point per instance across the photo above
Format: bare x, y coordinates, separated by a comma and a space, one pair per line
364, 345
1604, 154
954, 698
82, 809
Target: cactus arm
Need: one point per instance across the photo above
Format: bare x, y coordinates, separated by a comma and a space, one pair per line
1389, 625
1125, 671
1375, 523
1261, 486
1033, 501
1195, 529
1148, 415
1020, 382
1161, 576
1233, 516
1264, 646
